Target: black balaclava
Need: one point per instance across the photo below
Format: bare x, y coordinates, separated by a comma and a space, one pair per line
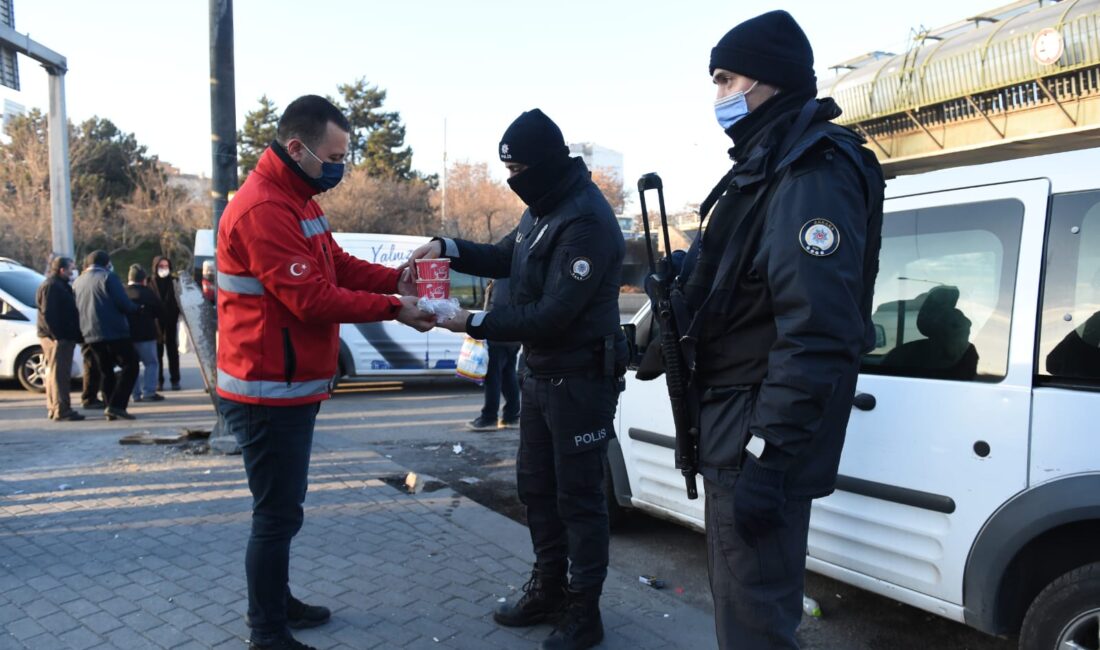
534, 140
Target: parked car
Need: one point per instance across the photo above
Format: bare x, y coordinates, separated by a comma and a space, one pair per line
387, 348
20, 353
969, 489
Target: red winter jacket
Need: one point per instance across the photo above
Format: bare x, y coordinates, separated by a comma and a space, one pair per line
284, 286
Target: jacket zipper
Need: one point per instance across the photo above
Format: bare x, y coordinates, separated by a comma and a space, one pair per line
290, 360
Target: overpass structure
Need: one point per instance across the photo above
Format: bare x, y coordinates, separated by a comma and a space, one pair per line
1019, 80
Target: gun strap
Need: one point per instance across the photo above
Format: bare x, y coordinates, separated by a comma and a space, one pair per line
715, 194
749, 227
747, 231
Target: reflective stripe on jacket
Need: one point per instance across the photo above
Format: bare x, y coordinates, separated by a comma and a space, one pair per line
284, 287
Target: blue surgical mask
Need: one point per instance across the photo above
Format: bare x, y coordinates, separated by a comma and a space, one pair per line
731, 108
331, 173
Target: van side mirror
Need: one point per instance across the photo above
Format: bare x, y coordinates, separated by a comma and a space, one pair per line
880, 336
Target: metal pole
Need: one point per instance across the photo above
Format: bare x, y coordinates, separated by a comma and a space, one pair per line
223, 141
223, 107
61, 200
443, 211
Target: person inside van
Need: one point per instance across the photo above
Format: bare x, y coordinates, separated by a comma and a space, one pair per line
1078, 354
946, 352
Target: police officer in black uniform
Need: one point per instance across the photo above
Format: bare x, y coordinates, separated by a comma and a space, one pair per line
565, 262
778, 289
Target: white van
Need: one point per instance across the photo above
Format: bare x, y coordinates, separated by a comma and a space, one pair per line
387, 348
968, 488
20, 352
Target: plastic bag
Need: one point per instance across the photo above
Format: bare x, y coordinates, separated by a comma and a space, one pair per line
444, 308
473, 360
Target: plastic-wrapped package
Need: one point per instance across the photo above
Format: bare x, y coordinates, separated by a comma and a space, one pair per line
444, 308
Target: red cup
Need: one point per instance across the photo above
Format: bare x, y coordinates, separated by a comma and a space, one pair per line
437, 269
433, 289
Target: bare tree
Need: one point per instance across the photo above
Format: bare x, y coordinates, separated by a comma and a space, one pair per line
365, 203
25, 185
121, 199
162, 212
611, 184
479, 207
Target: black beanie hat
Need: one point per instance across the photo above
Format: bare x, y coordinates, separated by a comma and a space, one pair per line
137, 274
770, 48
532, 138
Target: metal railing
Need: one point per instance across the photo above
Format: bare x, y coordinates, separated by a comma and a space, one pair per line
998, 76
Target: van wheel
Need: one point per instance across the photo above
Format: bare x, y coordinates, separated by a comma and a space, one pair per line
30, 368
616, 514
1065, 615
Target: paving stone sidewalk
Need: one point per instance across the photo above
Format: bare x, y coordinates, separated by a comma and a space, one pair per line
146, 551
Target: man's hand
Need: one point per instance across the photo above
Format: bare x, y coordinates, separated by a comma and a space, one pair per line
412, 316
758, 500
406, 283
430, 251
458, 323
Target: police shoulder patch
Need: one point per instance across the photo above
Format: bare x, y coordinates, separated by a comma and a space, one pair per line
819, 237
580, 268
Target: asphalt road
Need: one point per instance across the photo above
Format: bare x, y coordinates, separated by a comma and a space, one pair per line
420, 425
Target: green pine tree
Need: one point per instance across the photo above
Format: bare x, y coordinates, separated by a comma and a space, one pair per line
377, 137
256, 134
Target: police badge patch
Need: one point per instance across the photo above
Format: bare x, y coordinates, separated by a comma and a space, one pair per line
580, 268
819, 237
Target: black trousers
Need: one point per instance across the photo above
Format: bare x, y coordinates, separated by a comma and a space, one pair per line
565, 425
171, 345
121, 353
757, 589
275, 442
92, 378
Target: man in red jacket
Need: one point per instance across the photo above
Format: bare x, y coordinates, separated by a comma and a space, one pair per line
284, 286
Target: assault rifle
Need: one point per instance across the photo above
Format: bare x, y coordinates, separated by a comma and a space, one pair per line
664, 293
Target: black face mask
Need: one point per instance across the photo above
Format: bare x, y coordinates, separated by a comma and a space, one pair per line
539, 180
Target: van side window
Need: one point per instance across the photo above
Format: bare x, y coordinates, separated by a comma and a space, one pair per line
1069, 338
468, 289
943, 298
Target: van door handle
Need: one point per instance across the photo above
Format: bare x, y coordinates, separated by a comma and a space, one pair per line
864, 401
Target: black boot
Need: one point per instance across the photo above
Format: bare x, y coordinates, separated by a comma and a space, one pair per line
580, 626
543, 598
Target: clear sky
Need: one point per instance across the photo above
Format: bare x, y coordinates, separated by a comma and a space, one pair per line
629, 75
